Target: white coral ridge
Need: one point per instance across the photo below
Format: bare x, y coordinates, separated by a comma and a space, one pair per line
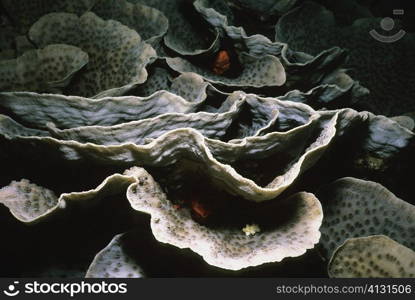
251, 229
227, 247
31, 203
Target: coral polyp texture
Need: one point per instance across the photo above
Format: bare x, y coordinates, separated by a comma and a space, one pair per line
117, 54
114, 262
44, 70
31, 203
230, 248
199, 138
357, 207
372, 256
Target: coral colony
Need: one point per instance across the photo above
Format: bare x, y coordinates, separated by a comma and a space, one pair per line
221, 129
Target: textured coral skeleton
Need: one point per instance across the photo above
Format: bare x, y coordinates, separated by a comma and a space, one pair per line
196, 133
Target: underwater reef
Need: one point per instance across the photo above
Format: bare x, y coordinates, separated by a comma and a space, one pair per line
205, 138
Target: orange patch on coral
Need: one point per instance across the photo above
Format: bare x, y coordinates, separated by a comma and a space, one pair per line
222, 62
199, 209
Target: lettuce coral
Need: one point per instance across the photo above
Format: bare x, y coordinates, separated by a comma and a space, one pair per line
206, 132
117, 54
372, 256
45, 70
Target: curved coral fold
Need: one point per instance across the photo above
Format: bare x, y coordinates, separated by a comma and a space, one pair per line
355, 208
114, 262
372, 256
31, 203
211, 125
36, 110
301, 68
45, 70
117, 54
308, 135
150, 23
257, 72
189, 86
158, 79
228, 248
260, 132
27, 201
405, 121
220, 16
185, 35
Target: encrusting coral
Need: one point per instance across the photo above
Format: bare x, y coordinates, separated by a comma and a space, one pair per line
211, 139
355, 208
117, 54
220, 127
114, 262
230, 248
45, 70
372, 256
31, 203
